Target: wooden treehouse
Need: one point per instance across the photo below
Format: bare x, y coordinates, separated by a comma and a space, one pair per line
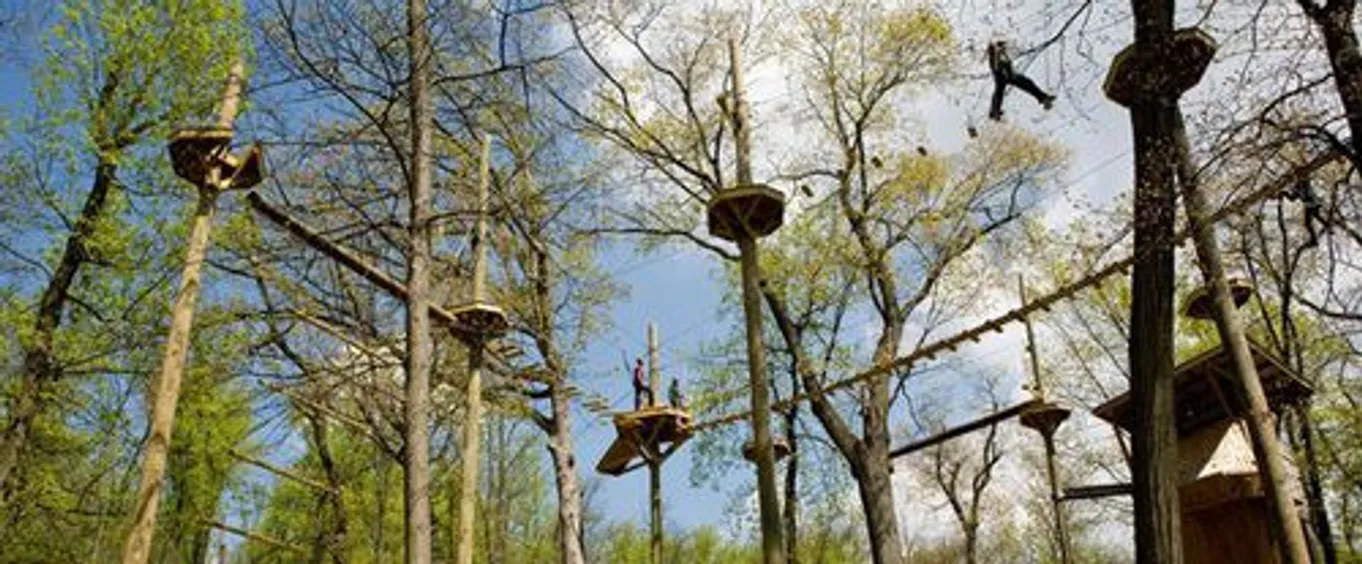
1224, 509
650, 434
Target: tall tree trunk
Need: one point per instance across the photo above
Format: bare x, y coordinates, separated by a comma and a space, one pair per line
1335, 21
1154, 436
878, 490
972, 544
651, 454
565, 478
571, 549
333, 537
167, 383
1314, 489
39, 369
419, 346
1158, 534
877, 500
867, 457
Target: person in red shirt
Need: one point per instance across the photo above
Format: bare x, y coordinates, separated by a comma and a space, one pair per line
640, 386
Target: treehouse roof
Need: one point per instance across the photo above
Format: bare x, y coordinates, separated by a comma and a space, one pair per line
1205, 387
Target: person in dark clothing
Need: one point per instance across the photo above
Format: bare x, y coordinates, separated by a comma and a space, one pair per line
674, 395
1000, 63
1304, 192
641, 386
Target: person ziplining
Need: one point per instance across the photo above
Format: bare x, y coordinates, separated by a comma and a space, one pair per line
1303, 191
1000, 64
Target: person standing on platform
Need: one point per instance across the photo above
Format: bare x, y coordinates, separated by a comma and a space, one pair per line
678, 399
640, 386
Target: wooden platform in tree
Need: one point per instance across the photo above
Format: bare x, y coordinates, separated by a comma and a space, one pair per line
1200, 305
1205, 384
778, 444
756, 208
194, 151
1044, 417
652, 431
481, 320
1135, 76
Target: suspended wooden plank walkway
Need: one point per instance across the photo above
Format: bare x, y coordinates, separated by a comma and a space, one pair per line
649, 433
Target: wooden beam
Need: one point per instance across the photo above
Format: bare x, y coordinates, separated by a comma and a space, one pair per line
281, 472
348, 258
970, 427
1095, 492
252, 536
356, 264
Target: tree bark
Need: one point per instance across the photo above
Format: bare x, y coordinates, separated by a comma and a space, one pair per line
419, 347
1158, 538
1158, 533
790, 512
333, 538
565, 477
868, 457
559, 427
875, 487
1335, 22
167, 384
972, 544
1314, 488
39, 369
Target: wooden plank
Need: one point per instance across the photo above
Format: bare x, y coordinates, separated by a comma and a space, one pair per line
1098, 491
617, 457
350, 260
966, 428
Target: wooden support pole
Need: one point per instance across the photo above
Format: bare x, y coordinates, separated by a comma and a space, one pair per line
470, 450
166, 386
652, 457
772, 544
1283, 520
1048, 436
420, 344
654, 367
